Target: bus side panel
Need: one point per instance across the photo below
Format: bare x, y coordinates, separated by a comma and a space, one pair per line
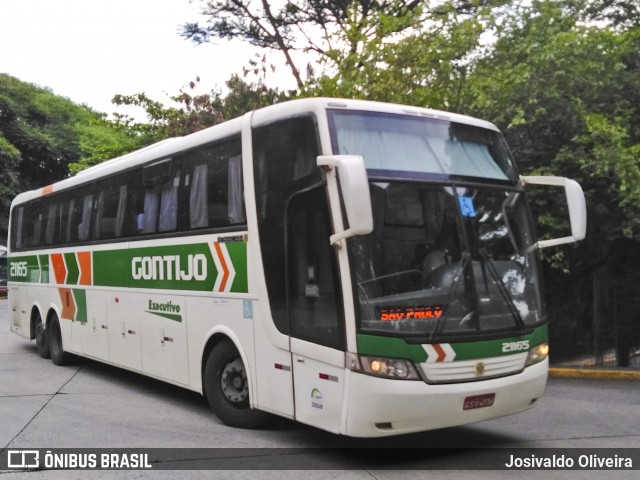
92, 336
19, 318
319, 377
163, 326
208, 316
124, 332
274, 369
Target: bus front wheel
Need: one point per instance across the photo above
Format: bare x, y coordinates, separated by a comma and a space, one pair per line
227, 390
58, 355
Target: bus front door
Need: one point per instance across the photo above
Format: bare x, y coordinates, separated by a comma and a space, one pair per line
316, 314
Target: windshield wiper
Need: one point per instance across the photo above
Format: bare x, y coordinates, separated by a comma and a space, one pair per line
506, 295
464, 262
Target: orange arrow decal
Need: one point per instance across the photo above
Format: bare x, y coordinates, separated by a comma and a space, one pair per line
59, 269
223, 264
68, 304
84, 260
440, 351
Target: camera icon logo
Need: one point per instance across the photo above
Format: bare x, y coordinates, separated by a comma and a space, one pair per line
23, 459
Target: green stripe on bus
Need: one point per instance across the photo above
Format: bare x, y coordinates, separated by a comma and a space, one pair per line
73, 271
170, 267
171, 316
80, 297
393, 347
25, 269
496, 348
238, 254
165, 267
43, 261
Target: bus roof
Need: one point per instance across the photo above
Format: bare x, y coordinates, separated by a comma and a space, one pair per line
170, 146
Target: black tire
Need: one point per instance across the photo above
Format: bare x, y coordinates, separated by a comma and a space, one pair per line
42, 340
56, 350
227, 389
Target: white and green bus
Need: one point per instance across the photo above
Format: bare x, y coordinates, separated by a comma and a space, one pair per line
366, 268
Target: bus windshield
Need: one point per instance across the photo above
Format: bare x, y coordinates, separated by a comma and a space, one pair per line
446, 261
412, 147
451, 254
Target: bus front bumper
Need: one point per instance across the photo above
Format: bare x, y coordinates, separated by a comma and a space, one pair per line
379, 407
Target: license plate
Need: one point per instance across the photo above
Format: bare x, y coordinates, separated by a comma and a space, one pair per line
479, 401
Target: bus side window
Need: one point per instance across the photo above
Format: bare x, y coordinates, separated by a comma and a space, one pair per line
54, 218
32, 225
285, 155
160, 183
213, 186
16, 228
111, 209
314, 299
70, 222
84, 227
169, 204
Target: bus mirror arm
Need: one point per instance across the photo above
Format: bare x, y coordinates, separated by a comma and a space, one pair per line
575, 201
354, 186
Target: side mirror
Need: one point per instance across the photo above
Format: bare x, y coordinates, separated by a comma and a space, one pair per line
354, 186
576, 203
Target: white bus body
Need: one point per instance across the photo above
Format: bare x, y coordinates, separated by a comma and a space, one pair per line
234, 262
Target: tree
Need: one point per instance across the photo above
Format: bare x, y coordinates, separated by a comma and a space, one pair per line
9, 185
38, 125
41, 134
425, 65
618, 14
329, 30
189, 112
566, 91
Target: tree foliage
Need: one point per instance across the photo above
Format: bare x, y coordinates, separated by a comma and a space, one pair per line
562, 80
41, 134
411, 58
333, 32
566, 90
189, 112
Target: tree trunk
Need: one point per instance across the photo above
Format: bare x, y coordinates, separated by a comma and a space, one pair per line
601, 301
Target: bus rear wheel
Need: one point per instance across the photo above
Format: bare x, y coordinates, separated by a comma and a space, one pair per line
42, 340
227, 390
58, 355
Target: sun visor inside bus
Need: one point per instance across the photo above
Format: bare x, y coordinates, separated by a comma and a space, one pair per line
157, 173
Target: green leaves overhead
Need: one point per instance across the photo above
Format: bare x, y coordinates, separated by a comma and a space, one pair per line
566, 91
41, 134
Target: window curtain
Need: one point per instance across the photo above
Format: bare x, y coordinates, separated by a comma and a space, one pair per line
85, 225
198, 197
97, 224
49, 233
122, 205
169, 205
416, 149
236, 207
148, 223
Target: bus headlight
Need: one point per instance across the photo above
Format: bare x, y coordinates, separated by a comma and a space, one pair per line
537, 354
397, 368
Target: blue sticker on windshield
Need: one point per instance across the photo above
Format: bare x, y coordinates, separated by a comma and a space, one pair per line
467, 207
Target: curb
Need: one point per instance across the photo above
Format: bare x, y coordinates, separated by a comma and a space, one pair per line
595, 374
